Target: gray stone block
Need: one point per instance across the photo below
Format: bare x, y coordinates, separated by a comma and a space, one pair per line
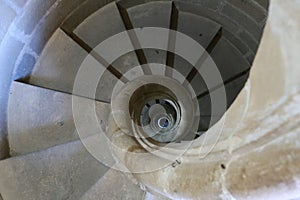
62, 172
40, 118
232, 89
243, 20
58, 64
25, 67
156, 56
152, 14
101, 25
7, 16
83, 11
60, 61
211, 4
238, 43
228, 59
12, 48
226, 23
201, 29
114, 185
250, 8
251, 42
33, 13
50, 23
19, 3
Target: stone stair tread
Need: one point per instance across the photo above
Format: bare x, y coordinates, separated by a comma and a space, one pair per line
152, 14
58, 64
62, 172
105, 23
201, 29
61, 59
229, 63
114, 185
39, 118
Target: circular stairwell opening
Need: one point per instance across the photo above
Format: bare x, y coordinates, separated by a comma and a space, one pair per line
154, 108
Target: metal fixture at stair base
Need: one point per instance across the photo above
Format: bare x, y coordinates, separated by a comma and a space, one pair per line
158, 113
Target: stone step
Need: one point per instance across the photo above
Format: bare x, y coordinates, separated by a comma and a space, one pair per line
62, 172
59, 63
202, 31
216, 98
152, 14
114, 185
61, 59
39, 118
101, 25
228, 64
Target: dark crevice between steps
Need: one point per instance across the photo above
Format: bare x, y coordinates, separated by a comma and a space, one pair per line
172, 40
237, 76
205, 55
97, 56
134, 39
83, 11
64, 92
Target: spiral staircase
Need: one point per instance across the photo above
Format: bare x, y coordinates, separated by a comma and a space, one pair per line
47, 156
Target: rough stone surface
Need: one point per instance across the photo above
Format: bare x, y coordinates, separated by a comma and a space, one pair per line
251, 8
58, 64
152, 14
8, 15
208, 119
40, 118
249, 40
81, 13
29, 19
243, 20
60, 61
107, 17
25, 67
50, 22
260, 175
238, 43
11, 47
199, 28
229, 62
19, 3
61, 172
114, 185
